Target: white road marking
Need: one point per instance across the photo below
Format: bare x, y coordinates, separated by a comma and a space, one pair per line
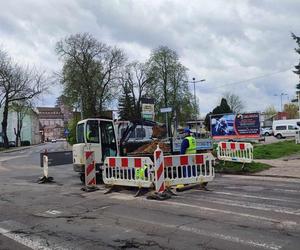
37, 244
255, 197
257, 177
258, 206
53, 212
256, 217
234, 239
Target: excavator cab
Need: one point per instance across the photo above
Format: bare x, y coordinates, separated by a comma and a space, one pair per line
97, 135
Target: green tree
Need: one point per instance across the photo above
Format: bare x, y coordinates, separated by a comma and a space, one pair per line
223, 108
126, 104
291, 110
297, 69
169, 84
90, 72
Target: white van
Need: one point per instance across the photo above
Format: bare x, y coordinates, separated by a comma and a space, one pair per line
285, 128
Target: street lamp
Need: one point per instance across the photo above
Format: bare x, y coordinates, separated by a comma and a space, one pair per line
281, 94
194, 81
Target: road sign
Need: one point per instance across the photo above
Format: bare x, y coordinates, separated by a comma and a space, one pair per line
66, 132
165, 110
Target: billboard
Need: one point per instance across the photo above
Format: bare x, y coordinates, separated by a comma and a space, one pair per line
235, 126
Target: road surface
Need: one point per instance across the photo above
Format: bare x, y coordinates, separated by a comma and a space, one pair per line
241, 212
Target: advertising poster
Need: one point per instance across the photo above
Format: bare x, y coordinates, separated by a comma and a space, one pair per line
231, 126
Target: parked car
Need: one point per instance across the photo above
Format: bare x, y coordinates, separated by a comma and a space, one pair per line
266, 131
53, 140
285, 128
11, 143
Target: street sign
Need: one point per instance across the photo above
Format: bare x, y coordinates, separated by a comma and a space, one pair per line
66, 132
165, 110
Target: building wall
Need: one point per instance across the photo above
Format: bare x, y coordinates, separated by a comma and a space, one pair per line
30, 129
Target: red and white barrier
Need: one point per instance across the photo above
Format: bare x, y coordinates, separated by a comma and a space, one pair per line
159, 170
235, 151
165, 172
90, 173
123, 171
189, 169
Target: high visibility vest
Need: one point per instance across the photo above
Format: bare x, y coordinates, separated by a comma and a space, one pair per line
140, 172
192, 145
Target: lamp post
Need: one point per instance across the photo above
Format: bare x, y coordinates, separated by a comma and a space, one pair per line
281, 94
194, 81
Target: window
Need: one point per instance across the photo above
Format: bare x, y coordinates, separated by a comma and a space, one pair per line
280, 127
108, 140
290, 127
140, 133
92, 131
80, 133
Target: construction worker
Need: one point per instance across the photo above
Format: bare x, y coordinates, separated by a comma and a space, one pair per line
188, 146
141, 173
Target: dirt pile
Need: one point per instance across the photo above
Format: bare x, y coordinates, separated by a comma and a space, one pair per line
149, 148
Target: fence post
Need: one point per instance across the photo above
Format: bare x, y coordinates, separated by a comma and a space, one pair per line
45, 178
90, 172
159, 170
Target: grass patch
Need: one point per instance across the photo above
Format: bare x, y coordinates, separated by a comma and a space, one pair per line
237, 168
276, 150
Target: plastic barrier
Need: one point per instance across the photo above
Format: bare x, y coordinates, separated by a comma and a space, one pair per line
128, 171
189, 169
159, 170
235, 151
90, 173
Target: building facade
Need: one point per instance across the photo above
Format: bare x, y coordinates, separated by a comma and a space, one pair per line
30, 129
51, 122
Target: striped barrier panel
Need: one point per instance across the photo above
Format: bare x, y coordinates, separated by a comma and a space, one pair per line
297, 137
128, 171
90, 173
189, 169
235, 151
159, 170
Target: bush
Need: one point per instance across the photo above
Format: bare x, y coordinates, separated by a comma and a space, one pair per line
1, 144
25, 143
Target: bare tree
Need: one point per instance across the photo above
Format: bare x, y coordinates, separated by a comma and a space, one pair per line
270, 111
134, 82
17, 84
234, 101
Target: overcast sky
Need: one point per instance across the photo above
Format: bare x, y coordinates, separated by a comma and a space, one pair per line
243, 47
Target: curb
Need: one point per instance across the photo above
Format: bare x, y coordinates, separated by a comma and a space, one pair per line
19, 148
276, 176
261, 175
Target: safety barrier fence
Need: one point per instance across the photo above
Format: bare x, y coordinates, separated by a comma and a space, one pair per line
166, 171
235, 151
128, 171
189, 169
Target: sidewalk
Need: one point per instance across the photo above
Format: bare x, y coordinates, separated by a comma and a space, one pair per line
282, 167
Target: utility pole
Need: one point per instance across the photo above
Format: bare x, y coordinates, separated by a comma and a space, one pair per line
281, 94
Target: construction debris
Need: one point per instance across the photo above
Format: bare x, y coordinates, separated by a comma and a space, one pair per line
149, 148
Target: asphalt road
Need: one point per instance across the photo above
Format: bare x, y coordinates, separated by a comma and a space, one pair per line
241, 212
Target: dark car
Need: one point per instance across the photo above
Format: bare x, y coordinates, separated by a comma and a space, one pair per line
11, 143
